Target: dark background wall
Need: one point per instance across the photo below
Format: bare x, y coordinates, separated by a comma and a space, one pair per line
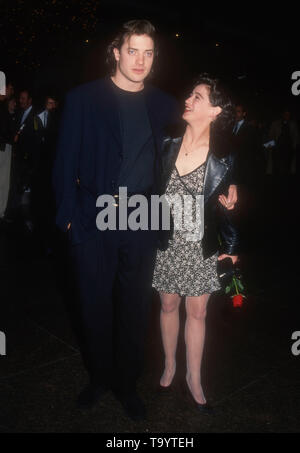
53, 45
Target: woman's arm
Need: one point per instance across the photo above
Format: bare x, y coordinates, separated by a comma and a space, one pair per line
230, 200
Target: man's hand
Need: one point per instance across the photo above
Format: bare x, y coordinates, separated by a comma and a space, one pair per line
234, 258
69, 226
229, 201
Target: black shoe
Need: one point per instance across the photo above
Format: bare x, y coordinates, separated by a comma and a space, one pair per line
205, 409
90, 395
133, 406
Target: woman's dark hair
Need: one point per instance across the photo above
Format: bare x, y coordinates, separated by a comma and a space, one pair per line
132, 27
221, 137
218, 97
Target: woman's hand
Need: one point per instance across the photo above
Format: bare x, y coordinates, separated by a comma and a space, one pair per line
234, 258
229, 201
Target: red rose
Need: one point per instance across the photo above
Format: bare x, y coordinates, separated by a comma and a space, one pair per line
237, 300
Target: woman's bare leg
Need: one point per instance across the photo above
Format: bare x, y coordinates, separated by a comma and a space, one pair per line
194, 339
169, 323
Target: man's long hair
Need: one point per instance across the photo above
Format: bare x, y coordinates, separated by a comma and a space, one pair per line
132, 27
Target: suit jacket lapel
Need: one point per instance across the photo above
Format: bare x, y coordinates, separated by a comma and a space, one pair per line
169, 157
241, 128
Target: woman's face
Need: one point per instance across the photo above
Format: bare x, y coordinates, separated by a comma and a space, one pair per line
198, 107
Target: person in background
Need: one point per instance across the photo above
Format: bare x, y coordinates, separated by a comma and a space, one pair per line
247, 146
43, 202
285, 138
250, 166
27, 143
50, 107
7, 131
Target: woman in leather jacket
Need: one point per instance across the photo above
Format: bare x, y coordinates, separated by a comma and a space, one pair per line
186, 266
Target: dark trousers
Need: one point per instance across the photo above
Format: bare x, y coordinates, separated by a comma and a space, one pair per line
114, 276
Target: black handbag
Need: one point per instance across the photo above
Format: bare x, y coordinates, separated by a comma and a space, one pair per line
225, 271
231, 281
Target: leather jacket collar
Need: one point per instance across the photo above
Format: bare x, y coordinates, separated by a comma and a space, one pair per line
215, 171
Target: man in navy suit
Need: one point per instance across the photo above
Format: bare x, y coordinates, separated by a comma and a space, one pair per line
111, 136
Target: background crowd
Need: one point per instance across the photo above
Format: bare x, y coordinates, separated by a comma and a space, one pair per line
29, 127
28, 134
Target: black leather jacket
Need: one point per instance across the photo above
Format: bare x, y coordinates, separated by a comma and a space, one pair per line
218, 221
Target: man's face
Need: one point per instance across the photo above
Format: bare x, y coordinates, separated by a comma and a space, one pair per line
135, 58
50, 104
25, 101
239, 113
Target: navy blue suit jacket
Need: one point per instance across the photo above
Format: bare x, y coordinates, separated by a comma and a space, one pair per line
89, 150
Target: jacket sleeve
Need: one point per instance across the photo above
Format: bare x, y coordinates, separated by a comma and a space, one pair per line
228, 225
228, 229
65, 170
